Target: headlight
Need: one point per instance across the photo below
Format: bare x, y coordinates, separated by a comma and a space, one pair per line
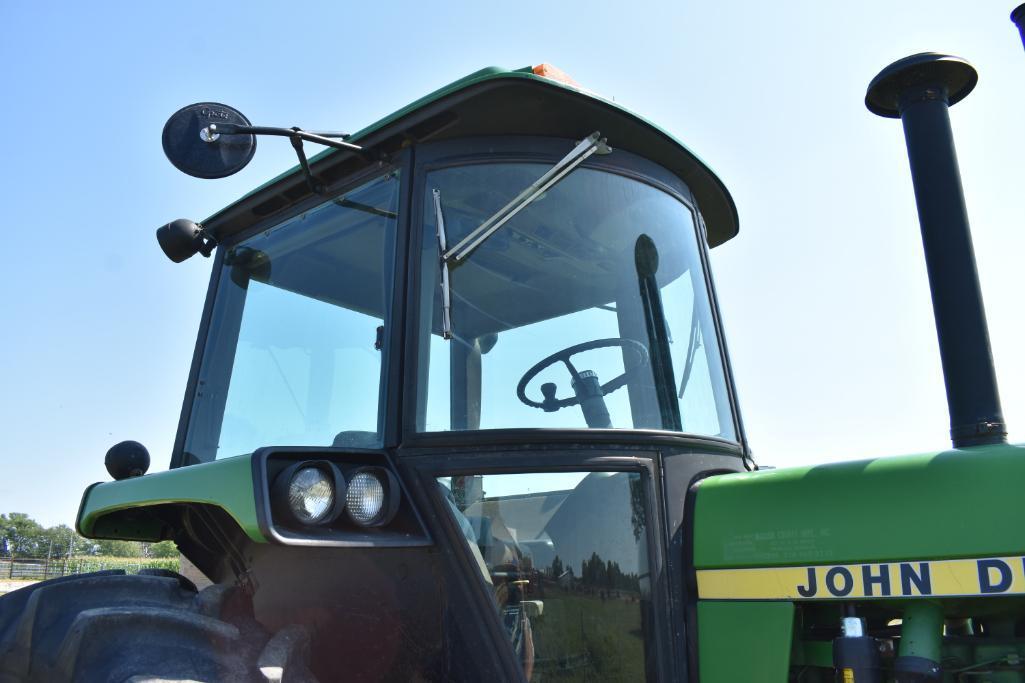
309, 493
372, 498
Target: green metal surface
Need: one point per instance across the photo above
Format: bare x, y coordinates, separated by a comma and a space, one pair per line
744, 641
227, 484
812, 653
491, 73
921, 633
905, 507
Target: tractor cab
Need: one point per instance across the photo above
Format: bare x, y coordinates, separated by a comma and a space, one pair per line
588, 309
465, 358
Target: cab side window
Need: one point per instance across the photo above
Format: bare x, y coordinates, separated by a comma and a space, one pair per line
566, 555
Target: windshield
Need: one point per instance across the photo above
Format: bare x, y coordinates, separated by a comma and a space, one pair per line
588, 309
294, 350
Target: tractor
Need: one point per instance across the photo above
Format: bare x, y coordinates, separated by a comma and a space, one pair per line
461, 409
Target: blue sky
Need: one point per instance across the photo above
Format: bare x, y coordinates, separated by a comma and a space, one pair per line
824, 292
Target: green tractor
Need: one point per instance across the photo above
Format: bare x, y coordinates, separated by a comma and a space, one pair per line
461, 410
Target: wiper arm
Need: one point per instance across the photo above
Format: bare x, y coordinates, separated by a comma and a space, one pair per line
592, 144
446, 289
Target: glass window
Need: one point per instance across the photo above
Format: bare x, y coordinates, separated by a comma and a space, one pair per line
293, 356
588, 309
566, 557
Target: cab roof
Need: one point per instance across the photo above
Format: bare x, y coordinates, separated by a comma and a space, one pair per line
494, 101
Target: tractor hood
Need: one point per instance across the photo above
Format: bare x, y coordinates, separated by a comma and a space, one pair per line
963, 503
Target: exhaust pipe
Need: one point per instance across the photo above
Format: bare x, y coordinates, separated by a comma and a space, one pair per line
1018, 17
918, 90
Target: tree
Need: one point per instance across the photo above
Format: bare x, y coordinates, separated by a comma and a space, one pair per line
163, 549
637, 516
20, 535
62, 541
119, 548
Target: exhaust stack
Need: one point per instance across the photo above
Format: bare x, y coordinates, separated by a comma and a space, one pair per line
1018, 17
919, 89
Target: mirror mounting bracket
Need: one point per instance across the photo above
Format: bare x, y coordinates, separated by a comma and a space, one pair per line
295, 135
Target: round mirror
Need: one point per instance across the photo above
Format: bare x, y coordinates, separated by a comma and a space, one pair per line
193, 149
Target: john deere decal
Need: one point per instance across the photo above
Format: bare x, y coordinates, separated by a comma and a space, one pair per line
982, 576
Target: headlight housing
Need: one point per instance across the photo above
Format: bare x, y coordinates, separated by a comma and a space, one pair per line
372, 496
382, 516
309, 493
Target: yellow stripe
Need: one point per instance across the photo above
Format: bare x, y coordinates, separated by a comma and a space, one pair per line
939, 578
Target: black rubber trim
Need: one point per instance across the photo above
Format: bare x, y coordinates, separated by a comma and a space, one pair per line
644, 438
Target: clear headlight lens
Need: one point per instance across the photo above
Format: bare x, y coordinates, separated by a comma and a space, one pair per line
365, 498
311, 495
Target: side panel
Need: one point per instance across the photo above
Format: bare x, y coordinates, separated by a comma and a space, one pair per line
744, 641
227, 484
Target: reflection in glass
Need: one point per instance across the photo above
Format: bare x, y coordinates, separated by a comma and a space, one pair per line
566, 556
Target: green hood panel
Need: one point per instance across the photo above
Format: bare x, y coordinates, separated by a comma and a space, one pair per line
227, 484
957, 503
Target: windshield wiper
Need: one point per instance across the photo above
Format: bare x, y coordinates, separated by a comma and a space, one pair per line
659, 357
446, 290
592, 144
692, 350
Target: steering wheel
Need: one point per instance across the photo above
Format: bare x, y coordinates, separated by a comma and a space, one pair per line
550, 403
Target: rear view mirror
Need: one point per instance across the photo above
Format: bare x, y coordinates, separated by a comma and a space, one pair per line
194, 149
211, 140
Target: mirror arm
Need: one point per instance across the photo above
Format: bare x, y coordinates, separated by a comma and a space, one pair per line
296, 136
326, 139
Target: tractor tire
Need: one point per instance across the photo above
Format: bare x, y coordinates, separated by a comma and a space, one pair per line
109, 627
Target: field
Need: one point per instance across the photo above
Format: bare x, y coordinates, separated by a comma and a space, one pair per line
24, 572
586, 638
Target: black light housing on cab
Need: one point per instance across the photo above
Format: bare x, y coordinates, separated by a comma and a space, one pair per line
383, 516
181, 239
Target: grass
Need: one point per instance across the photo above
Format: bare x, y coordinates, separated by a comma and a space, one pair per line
90, 563
39, 569
584, 638
25, 576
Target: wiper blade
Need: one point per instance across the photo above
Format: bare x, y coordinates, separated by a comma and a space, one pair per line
592, 144
446, 289
692, 350
366, 208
